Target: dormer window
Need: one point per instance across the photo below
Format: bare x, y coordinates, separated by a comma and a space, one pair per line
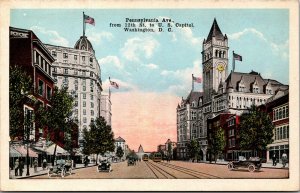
255, 87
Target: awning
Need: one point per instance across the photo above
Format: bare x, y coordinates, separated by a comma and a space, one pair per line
14, 153
59, 150
23, 150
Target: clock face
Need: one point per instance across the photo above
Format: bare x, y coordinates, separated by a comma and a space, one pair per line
220, 67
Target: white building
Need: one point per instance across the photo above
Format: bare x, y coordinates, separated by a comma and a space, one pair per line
78, 69
232, 93
120, 142
105, 107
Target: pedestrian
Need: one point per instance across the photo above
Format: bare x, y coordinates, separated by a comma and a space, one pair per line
35, 165
21, 167
274, 159
284, 159
16, 167
44, 164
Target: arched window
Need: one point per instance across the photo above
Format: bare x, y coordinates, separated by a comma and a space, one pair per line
224, 54
216, 54
220, 54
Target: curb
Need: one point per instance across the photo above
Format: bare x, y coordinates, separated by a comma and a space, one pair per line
24, 177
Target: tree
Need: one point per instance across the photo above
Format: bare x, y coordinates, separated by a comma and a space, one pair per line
170, 150
218, 142
99, 139
120, 152
193, 149
20, 88
59, 118
256, 130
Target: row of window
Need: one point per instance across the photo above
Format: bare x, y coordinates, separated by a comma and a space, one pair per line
281, 132
44, 89
218, 54
75, 72
84, 104
66, 55
43, 64
281, 113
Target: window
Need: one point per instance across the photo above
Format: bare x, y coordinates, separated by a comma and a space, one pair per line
75, 72
84, 119
83, 73
65, 71
83, 58
233, 142
92, 113
92, 97
76, 87
84, 96
41, 88
84, 104
37, 58
42, 63
65, 55
281, 112
54, 53
54, 69
49, 92
91, 74
92, 105
91, 59
281, 132
49, 68
84, 112
75, 57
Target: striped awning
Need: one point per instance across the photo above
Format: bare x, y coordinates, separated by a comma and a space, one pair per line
14, 153
23, 150
59, 150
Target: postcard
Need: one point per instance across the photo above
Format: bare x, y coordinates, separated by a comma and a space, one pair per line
149, 95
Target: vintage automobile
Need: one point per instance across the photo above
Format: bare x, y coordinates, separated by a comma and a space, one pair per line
104, 166
131, 161
60, 168
252, 164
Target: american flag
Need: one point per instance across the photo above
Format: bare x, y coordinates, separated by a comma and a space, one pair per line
114, 84
88, 19
197, 79
237, 57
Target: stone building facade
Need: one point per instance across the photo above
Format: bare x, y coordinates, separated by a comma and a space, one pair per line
222, 92
78, 69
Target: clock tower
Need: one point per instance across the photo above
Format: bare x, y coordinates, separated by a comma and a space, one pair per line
214, 61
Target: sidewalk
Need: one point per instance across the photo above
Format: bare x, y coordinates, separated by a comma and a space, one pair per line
40, 171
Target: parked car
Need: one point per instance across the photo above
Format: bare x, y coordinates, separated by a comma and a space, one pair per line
252, 164
104, 166
60, 168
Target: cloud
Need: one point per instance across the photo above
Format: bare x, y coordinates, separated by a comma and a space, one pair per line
184, 77
136, 47
54, 37
151, 66
123, 86
111, 60
97, 38
279, 49
188, 35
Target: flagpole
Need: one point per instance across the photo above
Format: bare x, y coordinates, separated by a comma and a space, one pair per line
83, 25
192, 82
233, 61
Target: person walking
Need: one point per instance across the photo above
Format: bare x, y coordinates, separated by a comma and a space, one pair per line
44, 164
35, 165
16, 167
21, 167
274, 159
284, 159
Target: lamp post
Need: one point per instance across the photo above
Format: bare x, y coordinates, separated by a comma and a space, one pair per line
28, 130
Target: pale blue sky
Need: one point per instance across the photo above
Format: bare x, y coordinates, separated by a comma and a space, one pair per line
164, 62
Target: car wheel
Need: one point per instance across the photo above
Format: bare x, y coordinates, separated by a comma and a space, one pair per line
230, 166
251, 168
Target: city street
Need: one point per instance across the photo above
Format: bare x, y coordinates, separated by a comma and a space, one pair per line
172, 170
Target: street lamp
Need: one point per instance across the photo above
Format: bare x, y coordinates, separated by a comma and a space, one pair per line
28, 131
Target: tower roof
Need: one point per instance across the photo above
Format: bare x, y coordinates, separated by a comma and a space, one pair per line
84, 44
215, 32
140, 149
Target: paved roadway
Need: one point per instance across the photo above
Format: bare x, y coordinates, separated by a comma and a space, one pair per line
173, 170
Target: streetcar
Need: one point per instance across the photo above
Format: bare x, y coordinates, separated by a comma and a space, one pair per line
157, 157
145, 157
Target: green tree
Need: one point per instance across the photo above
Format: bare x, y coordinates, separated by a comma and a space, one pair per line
59, 116
100, 138
20, 89
218, 142
120, 152
193, 148
256, 130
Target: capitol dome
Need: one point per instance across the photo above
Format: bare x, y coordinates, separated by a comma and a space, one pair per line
84, 44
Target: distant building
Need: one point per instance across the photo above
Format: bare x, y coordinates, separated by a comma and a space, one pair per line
120, 142
105, 107
78, 69
170, 146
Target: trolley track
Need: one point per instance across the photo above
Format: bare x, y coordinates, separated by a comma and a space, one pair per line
163, 172
191, 172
